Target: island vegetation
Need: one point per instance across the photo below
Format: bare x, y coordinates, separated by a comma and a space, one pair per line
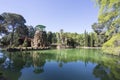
106, 33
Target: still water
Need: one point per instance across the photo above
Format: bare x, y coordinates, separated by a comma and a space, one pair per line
66, 64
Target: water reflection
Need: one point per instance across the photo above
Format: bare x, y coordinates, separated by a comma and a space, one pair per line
99, 66
107, 70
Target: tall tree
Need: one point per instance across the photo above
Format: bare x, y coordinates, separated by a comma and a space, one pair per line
12, 20
62, 37
85, 39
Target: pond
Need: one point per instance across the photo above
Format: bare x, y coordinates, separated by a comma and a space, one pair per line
65, 64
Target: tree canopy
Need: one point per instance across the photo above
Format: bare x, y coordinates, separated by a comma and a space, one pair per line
40, 27
9, 23
108, 19
109, 12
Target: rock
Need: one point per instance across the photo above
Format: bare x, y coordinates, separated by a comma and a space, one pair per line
40, 39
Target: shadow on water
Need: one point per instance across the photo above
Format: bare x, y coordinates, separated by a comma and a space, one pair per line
15, 65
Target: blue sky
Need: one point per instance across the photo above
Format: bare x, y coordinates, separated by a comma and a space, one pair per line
70, 15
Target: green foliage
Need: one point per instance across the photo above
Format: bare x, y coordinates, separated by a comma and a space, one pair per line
11, 21
22, 31
86, 42
112, 46
86, 39
40, 27
25, 44
92, 40
31, 31
49, 37
3, 30
110, 8
54, 38
15, 40
109, 12
108, 24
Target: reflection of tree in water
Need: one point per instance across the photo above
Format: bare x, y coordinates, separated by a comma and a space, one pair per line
60, 64
86, 56
61, 58
107, 67
38, 62
107, 70
18, 60
101, 72
11, 67
10, 75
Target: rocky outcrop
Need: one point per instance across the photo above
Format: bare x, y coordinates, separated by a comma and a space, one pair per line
40, 39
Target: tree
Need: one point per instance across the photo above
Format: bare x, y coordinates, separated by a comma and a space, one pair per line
40, 27
49, 37
92, 39
58, 38
31, 31
71, 42
54, 38
22, 31
108, 20
25, 44
12, 21
1, 19
85, 39
62, 36
100, 30
2, 28
109, 14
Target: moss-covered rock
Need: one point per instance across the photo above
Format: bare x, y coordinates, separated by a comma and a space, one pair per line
112, 46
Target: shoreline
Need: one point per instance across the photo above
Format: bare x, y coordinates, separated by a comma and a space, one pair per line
46, 48
90, 47
23, 49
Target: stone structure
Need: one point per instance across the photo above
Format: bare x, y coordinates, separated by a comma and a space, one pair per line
40, 39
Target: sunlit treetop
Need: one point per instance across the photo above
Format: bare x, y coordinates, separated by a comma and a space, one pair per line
109, 11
